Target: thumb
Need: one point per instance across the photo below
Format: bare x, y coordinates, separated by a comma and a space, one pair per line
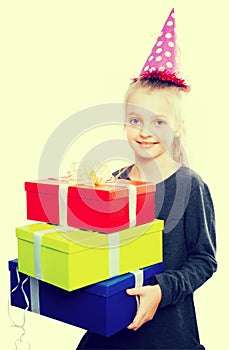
134, 291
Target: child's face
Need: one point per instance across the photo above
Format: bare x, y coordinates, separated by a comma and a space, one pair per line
151, 122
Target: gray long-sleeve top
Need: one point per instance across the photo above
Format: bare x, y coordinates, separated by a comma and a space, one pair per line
184, 202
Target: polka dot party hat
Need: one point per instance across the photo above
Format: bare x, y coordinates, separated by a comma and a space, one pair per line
163, 54
163, 61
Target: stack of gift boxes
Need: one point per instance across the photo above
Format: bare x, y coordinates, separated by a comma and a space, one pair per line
85, 248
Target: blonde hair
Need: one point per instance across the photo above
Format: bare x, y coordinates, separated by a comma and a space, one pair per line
177, 150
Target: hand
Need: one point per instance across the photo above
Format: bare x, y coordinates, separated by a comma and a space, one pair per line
150, 297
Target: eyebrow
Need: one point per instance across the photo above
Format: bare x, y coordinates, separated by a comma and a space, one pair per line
161, 116
134, 114
154, 116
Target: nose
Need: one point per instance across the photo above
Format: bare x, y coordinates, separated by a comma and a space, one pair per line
146, 133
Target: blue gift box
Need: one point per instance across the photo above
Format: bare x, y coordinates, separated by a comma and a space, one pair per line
103, 308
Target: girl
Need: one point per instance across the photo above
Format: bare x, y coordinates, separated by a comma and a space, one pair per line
166, 316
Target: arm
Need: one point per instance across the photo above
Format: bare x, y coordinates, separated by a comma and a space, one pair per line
174, 285
199, 227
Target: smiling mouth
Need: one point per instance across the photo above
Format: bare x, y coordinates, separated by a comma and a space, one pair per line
147, 144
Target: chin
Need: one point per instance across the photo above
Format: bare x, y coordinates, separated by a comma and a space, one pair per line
144, 156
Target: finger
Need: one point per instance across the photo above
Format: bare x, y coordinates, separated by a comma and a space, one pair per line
134, 327
134, 291
137, 321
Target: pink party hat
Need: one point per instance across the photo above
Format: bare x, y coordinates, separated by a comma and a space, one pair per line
162, 62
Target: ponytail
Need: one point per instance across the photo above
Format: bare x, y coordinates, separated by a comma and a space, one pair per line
178, 152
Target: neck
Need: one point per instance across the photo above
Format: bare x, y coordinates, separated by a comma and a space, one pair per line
153, 170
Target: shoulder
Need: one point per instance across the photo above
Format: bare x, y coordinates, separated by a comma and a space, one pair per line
199, 194
191, 185
183, 182
185, 174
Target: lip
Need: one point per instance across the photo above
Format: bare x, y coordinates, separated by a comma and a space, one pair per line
147, 144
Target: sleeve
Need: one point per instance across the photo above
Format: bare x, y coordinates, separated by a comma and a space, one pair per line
199, 230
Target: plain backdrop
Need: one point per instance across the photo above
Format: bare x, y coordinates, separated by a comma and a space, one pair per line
60, 57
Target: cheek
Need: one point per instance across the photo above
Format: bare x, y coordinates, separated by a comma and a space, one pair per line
166, 137
131, 132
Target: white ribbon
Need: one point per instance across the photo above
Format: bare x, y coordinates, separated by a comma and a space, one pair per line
139, 278
63, 197
37, 247
20, 341
37, 252
114, 253
132, 194
34, 282
132, 205
34, 295
89, 172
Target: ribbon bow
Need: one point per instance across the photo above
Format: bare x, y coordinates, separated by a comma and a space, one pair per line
89, 174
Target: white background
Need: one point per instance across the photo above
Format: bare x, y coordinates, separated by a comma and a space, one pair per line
59, 57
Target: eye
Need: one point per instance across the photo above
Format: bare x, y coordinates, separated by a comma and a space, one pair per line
160, 122
135, 121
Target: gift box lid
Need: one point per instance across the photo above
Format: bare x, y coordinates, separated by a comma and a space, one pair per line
70, 240
115, 284
107, 192
12, 265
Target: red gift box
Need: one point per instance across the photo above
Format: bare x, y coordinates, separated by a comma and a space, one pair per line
106, 208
